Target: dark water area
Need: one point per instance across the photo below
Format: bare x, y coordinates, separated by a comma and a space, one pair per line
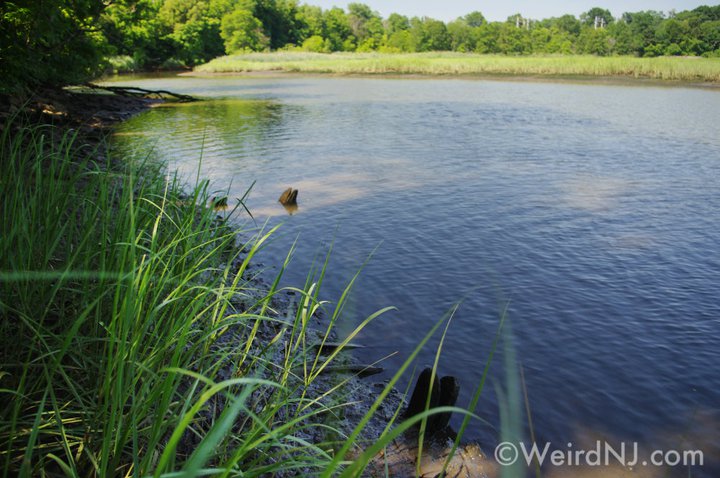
589, 213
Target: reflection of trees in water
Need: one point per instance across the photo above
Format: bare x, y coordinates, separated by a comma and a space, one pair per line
233, 129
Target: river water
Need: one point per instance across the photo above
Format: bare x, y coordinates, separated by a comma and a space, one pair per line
588, 212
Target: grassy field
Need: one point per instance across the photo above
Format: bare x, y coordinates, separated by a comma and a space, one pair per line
662, 68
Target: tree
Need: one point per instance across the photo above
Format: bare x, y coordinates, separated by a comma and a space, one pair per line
195, 29
672, 31
568, 24
701, 14
429, 34
594, 41
242, 31
625, 42
642, 30
337, 30
359, 16
588, 18
49, 42
541, 40
461, 35
513, 41
396, 22
134, 29
560, 42
709, 34
278, 20
308, 21
474, 19
487, 38
401, 41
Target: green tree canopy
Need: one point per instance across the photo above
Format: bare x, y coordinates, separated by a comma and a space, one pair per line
242, 31
588, 18
49, 42
65, 41
396, 22
474, 19
337, 30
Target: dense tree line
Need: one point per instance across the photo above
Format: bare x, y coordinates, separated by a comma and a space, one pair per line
48, 40
194, 31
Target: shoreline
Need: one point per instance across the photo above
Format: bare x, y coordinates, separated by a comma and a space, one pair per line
694, 71
94, 116
500, 77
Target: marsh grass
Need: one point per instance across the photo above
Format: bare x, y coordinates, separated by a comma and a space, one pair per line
459, 64
135, 341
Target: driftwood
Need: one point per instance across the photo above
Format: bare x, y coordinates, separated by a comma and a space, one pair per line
136, 92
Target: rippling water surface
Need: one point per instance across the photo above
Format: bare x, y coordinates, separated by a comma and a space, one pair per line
590, 211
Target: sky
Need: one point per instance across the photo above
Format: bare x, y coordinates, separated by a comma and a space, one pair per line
447, 10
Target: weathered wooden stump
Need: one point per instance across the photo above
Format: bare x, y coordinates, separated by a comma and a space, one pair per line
289, 197
443, 392
449, 392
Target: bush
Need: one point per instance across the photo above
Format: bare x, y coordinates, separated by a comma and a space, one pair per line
316, 44
673, 49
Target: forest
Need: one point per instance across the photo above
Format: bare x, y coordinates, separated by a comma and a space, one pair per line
63, 41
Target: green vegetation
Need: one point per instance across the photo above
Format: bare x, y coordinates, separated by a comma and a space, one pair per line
197, 31
122, 64
56, 42
49, 42
135, 340
665, 68
128, 315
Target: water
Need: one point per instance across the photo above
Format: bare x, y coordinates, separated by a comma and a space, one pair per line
589, 211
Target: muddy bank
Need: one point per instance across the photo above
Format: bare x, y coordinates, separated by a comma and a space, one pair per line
609, 80
91, 113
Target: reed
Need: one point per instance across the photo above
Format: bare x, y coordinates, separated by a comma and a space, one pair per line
129, 317
459, 64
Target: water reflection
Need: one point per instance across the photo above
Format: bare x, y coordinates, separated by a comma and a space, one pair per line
217, 136
594, 193
692, 450
291, 208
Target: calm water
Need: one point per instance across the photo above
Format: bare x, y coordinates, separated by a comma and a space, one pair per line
591, 211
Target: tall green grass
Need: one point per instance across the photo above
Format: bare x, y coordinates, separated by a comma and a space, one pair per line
661, 68
136, 343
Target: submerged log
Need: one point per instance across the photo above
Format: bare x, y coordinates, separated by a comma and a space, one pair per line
289, 197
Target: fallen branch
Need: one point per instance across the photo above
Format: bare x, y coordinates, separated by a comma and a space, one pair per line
136, 92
